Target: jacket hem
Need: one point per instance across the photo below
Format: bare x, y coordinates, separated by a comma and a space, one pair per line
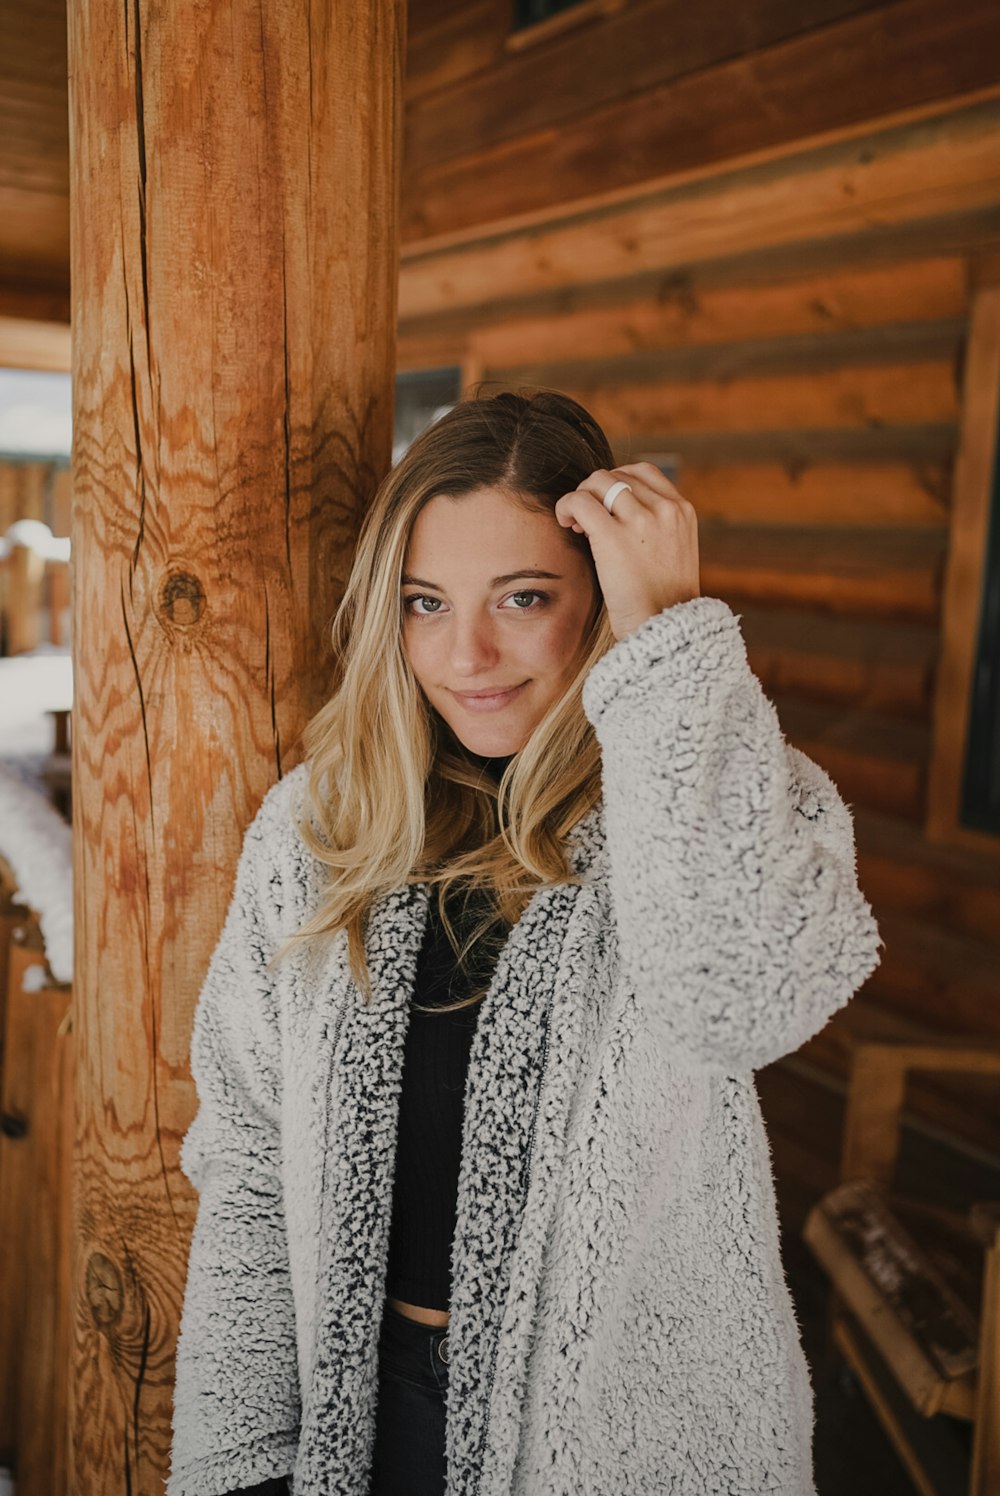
219, 1473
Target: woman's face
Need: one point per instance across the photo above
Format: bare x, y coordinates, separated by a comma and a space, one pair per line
479, 616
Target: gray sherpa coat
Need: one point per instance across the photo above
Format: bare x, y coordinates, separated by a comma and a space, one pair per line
620, 1320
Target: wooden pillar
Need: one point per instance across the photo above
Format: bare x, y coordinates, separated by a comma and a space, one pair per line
234, 252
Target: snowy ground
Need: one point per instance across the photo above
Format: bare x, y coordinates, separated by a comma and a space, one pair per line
30, 686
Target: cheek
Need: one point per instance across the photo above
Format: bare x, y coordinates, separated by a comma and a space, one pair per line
556, 643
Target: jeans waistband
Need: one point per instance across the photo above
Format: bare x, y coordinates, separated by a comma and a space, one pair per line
411, 1349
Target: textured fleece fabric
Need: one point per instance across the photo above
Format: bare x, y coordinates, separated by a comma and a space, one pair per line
620, 1321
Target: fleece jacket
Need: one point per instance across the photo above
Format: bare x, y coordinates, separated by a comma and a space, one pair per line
620, 1320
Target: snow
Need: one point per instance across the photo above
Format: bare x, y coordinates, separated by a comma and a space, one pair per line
34, 837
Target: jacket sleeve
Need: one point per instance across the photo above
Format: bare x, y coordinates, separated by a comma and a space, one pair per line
236, 1396
731, 855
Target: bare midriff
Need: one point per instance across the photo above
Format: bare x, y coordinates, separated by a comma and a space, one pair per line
416, 1311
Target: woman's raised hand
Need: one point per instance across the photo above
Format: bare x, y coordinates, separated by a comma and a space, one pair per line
646, 550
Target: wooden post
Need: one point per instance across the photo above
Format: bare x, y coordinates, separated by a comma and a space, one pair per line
235, 176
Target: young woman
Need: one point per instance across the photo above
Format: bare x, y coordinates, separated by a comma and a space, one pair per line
486, 1203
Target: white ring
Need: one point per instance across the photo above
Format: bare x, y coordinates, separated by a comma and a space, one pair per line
613, 492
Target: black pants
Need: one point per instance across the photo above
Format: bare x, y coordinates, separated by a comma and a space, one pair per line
410, 1412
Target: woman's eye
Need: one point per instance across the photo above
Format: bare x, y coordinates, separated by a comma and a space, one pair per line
418, 597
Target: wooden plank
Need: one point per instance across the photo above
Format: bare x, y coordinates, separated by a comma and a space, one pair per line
690, 308
430, 348
963, 585
964, 1112
849, 395
26, 344
906, 442
945, 886
447, 44
889, 573
936, 974
34, 249
892, 58
876, 664
985, 1477
874, 758
891, 177
44, 1232
934, 1471
858, 494
39, 303
605, 61
811, 352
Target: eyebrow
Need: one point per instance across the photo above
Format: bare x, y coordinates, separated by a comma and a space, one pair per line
510, 576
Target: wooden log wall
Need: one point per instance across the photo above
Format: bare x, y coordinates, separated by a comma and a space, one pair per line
793, 333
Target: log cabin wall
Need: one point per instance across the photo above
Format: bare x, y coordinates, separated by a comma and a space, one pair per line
785, 312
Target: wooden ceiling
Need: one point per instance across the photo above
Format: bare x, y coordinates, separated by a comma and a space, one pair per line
34, 159
506, 130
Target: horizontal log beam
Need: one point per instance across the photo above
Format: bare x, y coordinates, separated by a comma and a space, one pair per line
882, 665
685, 309
820, 493
906, 442
727, 359
893, 58
884, 178
847, 396
875, 758
27, 344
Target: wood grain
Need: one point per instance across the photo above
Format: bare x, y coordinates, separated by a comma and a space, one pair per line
890, 58
235, 260
964, 579
886, 178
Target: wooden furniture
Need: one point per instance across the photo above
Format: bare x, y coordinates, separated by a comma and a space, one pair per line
915, 1306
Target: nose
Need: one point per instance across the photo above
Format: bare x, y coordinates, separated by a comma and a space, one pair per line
472, 647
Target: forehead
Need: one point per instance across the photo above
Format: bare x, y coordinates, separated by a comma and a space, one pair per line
483, 525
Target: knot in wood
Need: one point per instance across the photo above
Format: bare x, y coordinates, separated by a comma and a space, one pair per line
105, 1291
182, 599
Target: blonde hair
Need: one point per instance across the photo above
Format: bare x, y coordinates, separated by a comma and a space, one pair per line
395, 798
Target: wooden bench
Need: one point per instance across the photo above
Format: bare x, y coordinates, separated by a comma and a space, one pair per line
920, 1330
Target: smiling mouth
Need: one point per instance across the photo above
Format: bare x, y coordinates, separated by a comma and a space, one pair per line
487, 698
484, 695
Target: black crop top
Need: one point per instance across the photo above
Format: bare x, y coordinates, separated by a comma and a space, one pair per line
431, 1108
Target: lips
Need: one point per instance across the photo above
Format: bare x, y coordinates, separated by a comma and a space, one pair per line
485, 695
485, 701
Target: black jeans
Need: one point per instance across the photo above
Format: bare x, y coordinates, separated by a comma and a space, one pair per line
410, 1412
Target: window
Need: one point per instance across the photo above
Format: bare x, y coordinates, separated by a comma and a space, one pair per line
421, 396
530, 12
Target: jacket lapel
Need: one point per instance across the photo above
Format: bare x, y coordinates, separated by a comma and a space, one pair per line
363, 1083
516, 1101
522, 1077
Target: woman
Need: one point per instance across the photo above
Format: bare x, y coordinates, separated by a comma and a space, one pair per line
538, 1254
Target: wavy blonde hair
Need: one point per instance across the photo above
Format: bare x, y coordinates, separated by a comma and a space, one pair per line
395, 797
